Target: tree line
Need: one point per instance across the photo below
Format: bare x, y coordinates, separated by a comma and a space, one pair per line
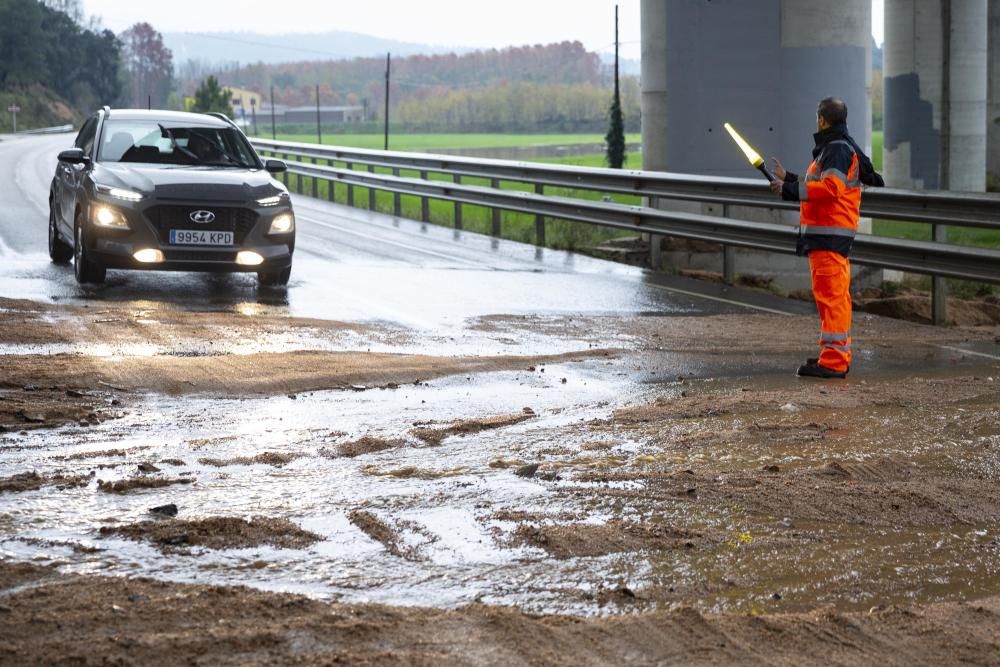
39, 44
550, 88
535, 88
52, 44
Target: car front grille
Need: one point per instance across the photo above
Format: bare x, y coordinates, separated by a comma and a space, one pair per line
227, 219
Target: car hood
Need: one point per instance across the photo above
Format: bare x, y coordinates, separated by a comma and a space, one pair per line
181, 182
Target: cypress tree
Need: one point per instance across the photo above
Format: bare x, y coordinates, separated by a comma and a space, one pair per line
615, 138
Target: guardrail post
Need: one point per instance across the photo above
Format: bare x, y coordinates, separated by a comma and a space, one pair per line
331, 193
315, 184
425, 205
539, 219
298, 184
939, 288
397, 204
350, 187
655, 248
458, 205
284, 174
371, 190
495, 184
728, 256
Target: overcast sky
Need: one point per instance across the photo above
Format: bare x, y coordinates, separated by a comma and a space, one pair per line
440, 22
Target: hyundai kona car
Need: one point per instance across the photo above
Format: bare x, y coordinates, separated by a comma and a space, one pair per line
169, 191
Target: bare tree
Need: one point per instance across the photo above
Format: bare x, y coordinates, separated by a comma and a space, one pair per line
148, 65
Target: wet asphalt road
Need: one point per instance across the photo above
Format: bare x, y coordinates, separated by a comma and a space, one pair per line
354, 265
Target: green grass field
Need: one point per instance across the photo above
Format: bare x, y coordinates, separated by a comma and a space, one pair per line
987, 238
430, 142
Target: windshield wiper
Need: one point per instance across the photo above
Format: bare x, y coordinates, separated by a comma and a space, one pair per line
174, 145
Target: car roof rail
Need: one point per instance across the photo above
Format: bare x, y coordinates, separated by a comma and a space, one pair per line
107, 110
222, 116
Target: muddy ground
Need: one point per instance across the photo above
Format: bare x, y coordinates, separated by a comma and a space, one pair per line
711, 511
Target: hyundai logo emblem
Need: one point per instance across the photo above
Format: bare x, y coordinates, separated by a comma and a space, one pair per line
202, 217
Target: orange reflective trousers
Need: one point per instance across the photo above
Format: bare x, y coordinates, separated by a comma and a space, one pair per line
831, 283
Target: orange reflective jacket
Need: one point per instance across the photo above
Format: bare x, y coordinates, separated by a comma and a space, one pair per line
829, 196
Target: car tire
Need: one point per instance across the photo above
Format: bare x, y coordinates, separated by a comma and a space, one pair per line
85, 270
274, 278
59, 251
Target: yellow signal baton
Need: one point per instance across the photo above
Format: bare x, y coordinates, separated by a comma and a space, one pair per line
753, 156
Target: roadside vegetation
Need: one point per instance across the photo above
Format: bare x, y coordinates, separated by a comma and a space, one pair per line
920, 231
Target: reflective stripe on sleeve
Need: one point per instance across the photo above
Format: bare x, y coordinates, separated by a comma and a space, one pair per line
836, 173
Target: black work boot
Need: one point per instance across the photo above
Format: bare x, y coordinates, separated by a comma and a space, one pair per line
816, 371
814, 361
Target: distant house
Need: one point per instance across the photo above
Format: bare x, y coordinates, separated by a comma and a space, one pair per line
244, 100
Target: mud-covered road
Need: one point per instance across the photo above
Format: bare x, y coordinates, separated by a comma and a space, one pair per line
481, 455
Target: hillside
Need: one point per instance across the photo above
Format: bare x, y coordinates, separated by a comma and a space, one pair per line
213, 49
40, 107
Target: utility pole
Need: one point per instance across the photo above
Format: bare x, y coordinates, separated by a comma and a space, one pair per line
253, 114
13, 109
386, 147
274, 131
319, 129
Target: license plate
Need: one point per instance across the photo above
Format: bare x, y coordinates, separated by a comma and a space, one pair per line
200, 237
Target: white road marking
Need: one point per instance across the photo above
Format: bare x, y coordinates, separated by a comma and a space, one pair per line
970, 352
720, 300
407, 246
29, 194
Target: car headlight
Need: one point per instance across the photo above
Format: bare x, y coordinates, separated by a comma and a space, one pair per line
282, 224
119, 193
272, 201
105, 216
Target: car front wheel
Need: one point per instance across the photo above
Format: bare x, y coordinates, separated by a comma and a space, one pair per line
274, 278
59, 251
85, 270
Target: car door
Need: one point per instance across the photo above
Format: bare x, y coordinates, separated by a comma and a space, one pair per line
69, 176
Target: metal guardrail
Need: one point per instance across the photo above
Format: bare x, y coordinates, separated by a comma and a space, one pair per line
59, 129
928, 257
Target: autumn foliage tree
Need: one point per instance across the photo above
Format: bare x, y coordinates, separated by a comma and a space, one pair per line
148, 66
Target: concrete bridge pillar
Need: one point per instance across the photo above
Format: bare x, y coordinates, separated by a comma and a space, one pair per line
935, 64
993, 92
762, 65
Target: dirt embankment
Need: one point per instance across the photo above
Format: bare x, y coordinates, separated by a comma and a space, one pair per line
89, 620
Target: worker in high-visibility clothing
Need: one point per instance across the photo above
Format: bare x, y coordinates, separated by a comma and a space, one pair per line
829, 209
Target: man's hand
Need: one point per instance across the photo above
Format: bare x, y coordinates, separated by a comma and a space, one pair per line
778, 170
776, 186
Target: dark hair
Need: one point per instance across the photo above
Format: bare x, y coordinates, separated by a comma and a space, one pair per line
833, 110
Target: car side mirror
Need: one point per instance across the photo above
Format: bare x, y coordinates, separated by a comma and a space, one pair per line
74, 156
275, 166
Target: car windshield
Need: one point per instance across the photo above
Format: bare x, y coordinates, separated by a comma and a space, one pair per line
155, 142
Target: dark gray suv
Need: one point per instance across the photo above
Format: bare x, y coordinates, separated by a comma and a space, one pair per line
169, 191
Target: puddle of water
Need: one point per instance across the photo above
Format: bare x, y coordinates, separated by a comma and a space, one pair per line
442, 501
457, 555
